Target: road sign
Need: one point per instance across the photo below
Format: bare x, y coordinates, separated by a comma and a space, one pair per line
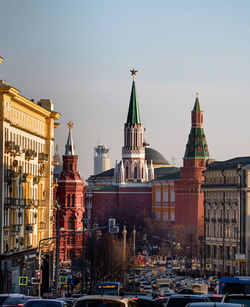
208, 266
62, 280
23, 280
240, 257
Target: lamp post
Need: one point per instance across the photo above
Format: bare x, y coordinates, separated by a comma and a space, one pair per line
57, 248
124, 253
84, 220
134, 233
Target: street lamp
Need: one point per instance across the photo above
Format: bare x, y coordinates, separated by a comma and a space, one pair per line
134, 233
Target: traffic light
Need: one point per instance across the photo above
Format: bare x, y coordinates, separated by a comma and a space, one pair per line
112, 227
39, 275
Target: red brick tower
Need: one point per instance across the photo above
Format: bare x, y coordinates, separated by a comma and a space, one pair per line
189, 208
70, 196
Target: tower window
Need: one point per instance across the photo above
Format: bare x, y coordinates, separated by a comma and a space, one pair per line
71, 167
126, 172
135, 172
71, 224
73, 200
68, 200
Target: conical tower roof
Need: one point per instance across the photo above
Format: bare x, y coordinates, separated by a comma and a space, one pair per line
133, 111
196, 147
197, 106
69, 147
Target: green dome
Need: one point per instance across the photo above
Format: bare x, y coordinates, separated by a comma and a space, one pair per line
158, 159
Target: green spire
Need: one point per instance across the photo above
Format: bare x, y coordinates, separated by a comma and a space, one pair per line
196, 147
197, 106
133, 111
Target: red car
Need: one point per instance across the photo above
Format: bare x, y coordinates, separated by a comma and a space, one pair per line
14, 301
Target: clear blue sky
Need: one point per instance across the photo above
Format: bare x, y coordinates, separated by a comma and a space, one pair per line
79, 53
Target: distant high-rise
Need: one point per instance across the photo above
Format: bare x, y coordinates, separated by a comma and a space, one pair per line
101, 159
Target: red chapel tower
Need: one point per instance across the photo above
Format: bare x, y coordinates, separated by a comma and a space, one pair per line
70, 196
189, 208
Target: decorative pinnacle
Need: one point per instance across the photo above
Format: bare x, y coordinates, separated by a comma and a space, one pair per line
133, 73
57, 148
70, 125
197, 93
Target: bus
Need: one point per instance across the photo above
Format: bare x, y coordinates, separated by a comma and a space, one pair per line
108, 288
234, 285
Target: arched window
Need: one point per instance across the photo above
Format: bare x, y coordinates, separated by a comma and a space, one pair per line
126, 172
135, 172
68, 200
73, 200
71, 224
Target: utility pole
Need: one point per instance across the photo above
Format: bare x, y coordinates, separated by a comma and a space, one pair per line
124, 253
134, 233
83, 250
57, 248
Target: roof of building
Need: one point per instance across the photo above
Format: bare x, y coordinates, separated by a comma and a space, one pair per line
107, 174
196, 147
197, 106
105, 187
163, 173
133, 111
155, 156
69, 147
231, 163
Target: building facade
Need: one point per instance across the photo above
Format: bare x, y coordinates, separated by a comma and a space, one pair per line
189, 208
101, 159
226, 214
26, 181
70, 194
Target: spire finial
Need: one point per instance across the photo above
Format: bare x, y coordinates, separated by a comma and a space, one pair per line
57, 148
133, 73
70, 125
197, 93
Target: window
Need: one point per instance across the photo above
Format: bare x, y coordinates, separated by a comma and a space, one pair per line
71, 224
158, 216
135, 172
172, 216
214, 251
208, 251
68, 200
158, 196
172, 196
165, 216
71, 167
73, 200
126, 172
165, 196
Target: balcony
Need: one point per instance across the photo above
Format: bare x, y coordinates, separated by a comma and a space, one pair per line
9, 175
42, 157
213, 219
14, 229
220, 219
234, 221
42, 226
30, 154
28, 228
23, 177
11, 202
12, 148
36, 179
226, 220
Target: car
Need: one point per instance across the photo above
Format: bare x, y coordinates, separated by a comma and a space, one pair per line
215, 297
3, 297
17, 300
214, 304
237, 299
45, 303
101, 300
147, 301
68, 300
181, 300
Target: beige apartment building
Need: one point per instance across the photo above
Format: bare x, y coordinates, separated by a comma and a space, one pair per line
26, 181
